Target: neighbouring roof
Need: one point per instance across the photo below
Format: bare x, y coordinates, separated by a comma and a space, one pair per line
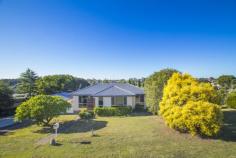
20, 96
64, 95
109, 89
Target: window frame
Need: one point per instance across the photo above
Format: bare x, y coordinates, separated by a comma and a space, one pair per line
100, 101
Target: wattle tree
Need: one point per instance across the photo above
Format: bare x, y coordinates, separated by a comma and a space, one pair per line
189, 106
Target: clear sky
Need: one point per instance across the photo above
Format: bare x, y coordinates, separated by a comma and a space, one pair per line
117, 38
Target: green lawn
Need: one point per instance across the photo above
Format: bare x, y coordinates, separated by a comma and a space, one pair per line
118, 137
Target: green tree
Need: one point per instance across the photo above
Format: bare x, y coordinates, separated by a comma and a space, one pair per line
139, 83
188, 106
122, 81
56, 83
12, 83
6, 100
231, 100
221, 96
227, 81
27, 82
153, 87
41, 109
106, 81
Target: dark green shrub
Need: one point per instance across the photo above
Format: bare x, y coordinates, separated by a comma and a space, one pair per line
231, 100
85, 114
139, 107
153, 88
113, 111
105, 111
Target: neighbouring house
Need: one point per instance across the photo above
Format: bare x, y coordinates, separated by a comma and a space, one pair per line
108, 94
19, 98
67, 96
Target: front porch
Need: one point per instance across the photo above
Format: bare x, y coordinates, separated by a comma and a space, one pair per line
86, 102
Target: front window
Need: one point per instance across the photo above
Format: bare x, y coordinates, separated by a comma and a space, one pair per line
142, 98
100, 101
119, 101
112, 100
139, 98
125, 100
83, 99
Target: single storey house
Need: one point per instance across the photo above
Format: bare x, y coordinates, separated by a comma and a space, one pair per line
107, 95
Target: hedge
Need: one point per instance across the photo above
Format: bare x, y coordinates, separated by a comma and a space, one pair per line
113, 111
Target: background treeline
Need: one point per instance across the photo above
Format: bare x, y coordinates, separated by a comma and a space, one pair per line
134, 81
14, 91
59, 83
51, 84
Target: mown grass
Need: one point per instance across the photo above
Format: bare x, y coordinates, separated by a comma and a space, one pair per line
118, 137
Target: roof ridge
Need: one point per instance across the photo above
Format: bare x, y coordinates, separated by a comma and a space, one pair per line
113, 85
99, 88
124, 89
104, 89
83, 88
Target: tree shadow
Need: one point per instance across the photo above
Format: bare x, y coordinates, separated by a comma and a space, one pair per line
76, 126
142, 113
228, 132
85, 142
10, 129
57, 144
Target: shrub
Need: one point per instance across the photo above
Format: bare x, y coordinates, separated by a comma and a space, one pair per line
104, 111
85, 114
113, 111
139, 107
231, 100
42, 109
187, 106
202, 118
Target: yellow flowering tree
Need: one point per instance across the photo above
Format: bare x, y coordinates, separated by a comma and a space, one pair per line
188, 106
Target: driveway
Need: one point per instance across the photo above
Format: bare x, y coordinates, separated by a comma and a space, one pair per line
6, 121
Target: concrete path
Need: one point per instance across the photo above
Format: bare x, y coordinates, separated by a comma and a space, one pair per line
7, 121
45, 140
62, 128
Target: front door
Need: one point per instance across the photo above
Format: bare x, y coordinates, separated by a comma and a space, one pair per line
90, 103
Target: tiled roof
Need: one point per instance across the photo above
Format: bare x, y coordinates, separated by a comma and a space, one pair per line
64, 95
109, 89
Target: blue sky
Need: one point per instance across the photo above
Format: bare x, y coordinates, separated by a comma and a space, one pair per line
117, 39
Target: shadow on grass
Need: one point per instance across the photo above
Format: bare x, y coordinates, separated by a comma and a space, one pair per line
57, 144
76, 126
140, 113
85, 142
228, 132
10, 129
